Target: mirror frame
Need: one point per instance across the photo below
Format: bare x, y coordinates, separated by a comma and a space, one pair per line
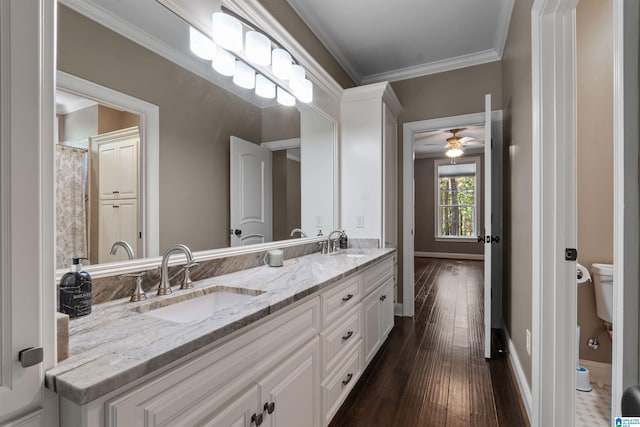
327, 97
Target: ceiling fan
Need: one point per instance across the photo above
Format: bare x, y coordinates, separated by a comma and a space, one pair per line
455, 143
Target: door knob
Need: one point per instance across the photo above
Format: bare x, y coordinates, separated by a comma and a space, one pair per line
495, 239
480, 239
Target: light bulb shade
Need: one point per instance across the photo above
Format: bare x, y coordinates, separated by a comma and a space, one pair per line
226, 31
454, 152
285, 98
245, 76
265, 87
223, 62
304, 91
258, 48
281, 63
297, 77
201, 45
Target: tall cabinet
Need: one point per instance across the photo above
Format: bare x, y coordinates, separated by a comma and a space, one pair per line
369, 162
118, 190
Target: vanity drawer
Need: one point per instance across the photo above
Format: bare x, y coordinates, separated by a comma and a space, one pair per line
338, 300
336, 388
377, 275
340, 338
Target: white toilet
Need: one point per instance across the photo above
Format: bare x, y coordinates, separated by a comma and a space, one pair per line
603, 288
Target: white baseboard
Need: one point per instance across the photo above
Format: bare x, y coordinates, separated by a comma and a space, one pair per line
599, 373
447, 255
398, 310
521, 379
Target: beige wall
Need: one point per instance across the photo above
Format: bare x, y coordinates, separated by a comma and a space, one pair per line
516, 104
110, 120
439, 95
286, 195
281, 10
196, 120
79, 124
280, 123
425, 200
594, 44
293, 195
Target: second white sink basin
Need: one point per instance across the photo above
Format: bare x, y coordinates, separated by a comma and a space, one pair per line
200, 307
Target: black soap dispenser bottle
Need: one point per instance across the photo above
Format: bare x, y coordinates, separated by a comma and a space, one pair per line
75, 291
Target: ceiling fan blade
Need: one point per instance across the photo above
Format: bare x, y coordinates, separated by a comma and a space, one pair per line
473, 142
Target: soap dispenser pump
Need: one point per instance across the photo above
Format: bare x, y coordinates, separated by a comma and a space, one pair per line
75, 291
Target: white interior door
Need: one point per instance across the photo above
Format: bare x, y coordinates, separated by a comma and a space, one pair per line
250, 193
487, 226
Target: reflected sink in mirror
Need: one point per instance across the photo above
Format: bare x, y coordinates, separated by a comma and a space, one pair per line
349, 253
195, 307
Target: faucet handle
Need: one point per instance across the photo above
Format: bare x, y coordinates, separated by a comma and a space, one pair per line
187, 283
138, 293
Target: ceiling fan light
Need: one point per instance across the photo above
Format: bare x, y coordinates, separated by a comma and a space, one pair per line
226, 31
281, 63
223, 62
285, 98
258, 48
245, 76
454, 152
201, 45
265, 87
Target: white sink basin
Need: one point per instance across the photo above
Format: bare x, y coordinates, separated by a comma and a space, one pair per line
200, 307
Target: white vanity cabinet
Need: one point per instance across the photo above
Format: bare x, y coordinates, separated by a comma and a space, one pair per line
294, 368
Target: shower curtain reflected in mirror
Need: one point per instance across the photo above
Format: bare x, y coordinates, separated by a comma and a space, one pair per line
71, 204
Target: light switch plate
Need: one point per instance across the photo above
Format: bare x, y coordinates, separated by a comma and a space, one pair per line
360, 221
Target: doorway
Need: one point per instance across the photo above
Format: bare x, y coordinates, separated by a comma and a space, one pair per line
410, 132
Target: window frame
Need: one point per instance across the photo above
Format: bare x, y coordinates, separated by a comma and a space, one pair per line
477, 205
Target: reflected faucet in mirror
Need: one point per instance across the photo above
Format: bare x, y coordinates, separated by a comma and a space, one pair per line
298, 230
165, 288
332, 244
127, 247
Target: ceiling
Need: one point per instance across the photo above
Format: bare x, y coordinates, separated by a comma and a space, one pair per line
68, 103
378, 40
431, 143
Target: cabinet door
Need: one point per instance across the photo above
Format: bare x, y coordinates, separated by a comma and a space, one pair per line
292, 390
386, 307
371, 316
239, 413
127, 176
108, 170
118, 221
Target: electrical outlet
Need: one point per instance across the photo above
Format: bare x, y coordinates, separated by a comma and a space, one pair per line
529, 342
360, 221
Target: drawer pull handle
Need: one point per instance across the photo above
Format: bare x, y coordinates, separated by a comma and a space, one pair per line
349, 335
269, 407
347, 298
257, 419
348, 380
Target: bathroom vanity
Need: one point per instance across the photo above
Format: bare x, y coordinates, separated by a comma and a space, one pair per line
287, 352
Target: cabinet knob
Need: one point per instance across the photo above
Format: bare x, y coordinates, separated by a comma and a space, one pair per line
347, 298
270, 407
257, 419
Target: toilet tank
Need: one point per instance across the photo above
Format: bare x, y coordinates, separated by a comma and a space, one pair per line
603, 288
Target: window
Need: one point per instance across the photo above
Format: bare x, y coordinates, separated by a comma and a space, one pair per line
456, 194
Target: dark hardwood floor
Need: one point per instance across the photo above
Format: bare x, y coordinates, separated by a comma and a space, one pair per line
431, 371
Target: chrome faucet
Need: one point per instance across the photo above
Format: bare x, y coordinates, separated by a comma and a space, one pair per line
127, 247
298, 230
164, 287
332, 243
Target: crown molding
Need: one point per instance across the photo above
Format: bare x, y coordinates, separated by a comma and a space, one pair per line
504, 20
463, 61
379, 90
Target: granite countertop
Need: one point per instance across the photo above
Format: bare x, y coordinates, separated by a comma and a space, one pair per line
117, 344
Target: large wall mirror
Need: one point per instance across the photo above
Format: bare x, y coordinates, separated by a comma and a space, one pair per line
153, 178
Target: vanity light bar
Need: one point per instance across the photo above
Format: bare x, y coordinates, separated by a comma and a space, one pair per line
257, 48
